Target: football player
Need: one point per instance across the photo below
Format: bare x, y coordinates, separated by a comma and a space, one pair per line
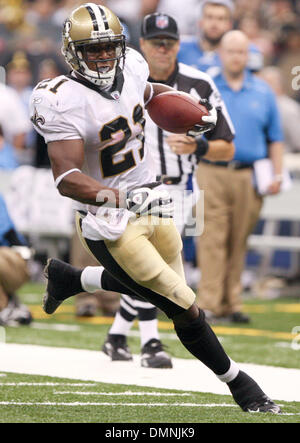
92, 121
175, 158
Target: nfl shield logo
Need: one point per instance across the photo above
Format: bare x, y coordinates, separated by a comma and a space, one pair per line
115, 95
162, 21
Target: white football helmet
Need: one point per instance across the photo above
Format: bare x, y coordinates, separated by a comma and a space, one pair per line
91, 27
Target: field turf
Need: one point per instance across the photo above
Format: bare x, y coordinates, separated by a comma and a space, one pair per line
272, 338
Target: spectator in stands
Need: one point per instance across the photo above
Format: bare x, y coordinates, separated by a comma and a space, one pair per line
12, 24
8, 158
14, 254
130, 17
20, 32
19, 77
13, 119
48, 69
186, 17
202, 51
244, 7
41, 15
232, 205
289, 109
259, 37
35, 33
280, 14
64, 9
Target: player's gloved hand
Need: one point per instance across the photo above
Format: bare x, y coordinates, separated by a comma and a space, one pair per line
148, 201
210, 120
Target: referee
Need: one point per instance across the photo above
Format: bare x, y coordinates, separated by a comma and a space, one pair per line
175, 157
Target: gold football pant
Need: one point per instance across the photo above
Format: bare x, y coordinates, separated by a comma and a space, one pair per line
146, 259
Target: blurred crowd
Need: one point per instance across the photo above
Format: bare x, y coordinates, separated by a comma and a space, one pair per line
30, 51
30, 42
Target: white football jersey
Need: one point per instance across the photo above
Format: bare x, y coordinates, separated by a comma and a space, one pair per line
110, 124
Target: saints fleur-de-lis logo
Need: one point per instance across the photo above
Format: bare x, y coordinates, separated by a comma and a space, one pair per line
37, 119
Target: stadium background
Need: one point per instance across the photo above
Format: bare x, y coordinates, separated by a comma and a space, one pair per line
30, 42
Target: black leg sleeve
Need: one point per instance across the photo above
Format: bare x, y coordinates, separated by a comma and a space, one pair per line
201, 341
109, 283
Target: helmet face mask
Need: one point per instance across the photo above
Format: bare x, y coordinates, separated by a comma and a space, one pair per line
94, 44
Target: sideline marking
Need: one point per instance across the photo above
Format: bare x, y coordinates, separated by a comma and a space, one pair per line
39, 314
290, 308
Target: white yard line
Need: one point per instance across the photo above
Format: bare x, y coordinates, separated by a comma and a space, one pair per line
283, 344
21, 383
186, 375
77, 403
55, 327
165, 335
126, 393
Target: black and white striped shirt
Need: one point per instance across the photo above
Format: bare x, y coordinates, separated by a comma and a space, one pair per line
199, 84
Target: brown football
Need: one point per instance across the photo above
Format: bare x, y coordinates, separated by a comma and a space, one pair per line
176, 111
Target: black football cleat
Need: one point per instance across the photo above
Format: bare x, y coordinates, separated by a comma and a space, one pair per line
250, 397
239, 317
264, 405
86, 310
63, 282
154, 356
116, 348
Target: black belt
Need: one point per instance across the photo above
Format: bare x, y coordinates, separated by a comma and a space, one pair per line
230, 165
166, 180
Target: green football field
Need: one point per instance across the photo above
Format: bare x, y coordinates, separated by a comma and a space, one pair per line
272, 338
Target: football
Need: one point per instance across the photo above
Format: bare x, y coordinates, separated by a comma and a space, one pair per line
176, 111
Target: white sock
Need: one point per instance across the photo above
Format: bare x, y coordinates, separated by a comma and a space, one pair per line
231, 373
120, 326
91, 278
148, 330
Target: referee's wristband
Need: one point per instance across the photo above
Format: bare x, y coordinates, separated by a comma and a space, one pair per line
201, 146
